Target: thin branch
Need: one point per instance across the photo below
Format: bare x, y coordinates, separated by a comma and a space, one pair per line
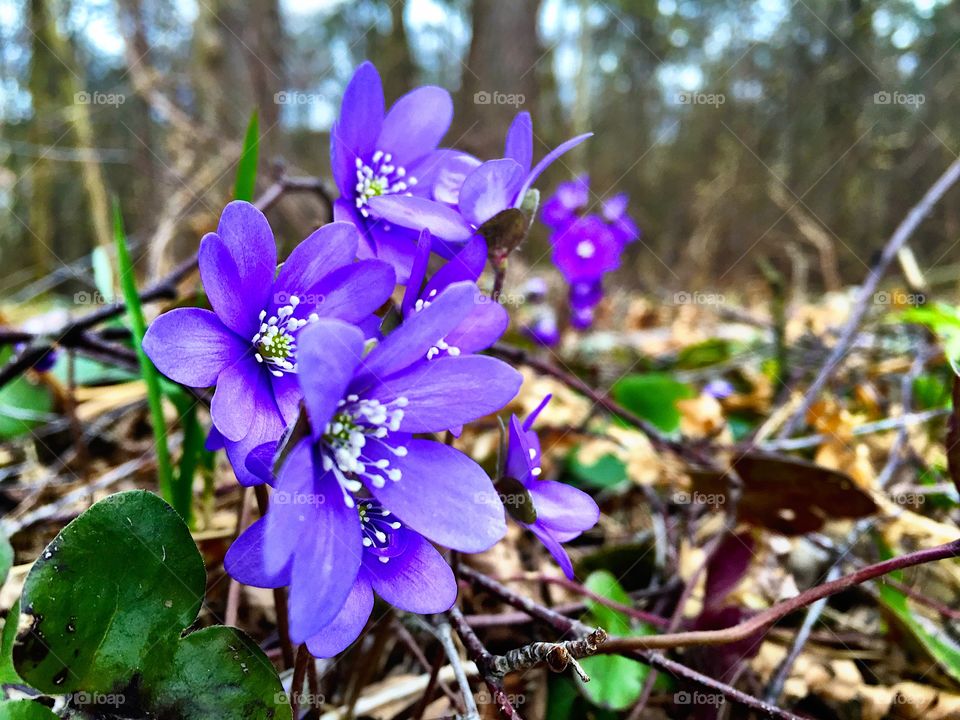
900, 236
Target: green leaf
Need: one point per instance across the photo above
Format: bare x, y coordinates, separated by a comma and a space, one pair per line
615, 682
110, 622
247, 167
96, 615
704, 354
606, 472
8, 674
943, 320
653, 396
24, 403
6, 556
25, 710
138, 327
102, 273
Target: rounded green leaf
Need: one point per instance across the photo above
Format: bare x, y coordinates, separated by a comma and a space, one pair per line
218, 672
25, 710
113, 590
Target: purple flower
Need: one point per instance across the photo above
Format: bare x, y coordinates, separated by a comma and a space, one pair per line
397, 563
562, 512
586, 249
566, 204
247, 346
364, 412
374, 153
487, 190
719, 388
614, 211
543, 329
487, 320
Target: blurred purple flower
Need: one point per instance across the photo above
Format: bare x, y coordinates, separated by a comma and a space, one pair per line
247, 346
364, 412
719, 388
586, 249
487, 190
543, 329
563, 512
566, 204
374, 153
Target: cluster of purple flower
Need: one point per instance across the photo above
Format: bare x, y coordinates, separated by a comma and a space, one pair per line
586, 245
360, 496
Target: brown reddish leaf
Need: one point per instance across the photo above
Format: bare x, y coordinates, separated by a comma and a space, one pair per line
786, 494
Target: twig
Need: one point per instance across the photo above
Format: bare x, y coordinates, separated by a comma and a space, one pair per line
900, 236
279, 594
763, 620
299, 675
483, 659
446, 640
556, 656
893, 423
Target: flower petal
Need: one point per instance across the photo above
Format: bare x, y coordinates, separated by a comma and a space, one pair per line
266, 426
418, 581
563, 508
417, 334
467, 264
418, 270
328, 352
445, 496
346, 212
309, 522
286, 391
237, 264
519, 145
419, 213
415, 124
326, 561
354, 291
235, 399
484, 325
361, 116
441, 174
347, 625
324, 250
547, 161
244, 560
450, 391
192, 346
553, 545
395, 245
490, 189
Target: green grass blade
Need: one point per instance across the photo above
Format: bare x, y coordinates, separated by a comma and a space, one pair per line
247, 167
138, 326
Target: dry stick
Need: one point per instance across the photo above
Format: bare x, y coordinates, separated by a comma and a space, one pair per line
407, 639
233, 591
279, 595
299, 674
900, 236
446, 640
655, 660
72, 334
895, 457
763, 620
482, 658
